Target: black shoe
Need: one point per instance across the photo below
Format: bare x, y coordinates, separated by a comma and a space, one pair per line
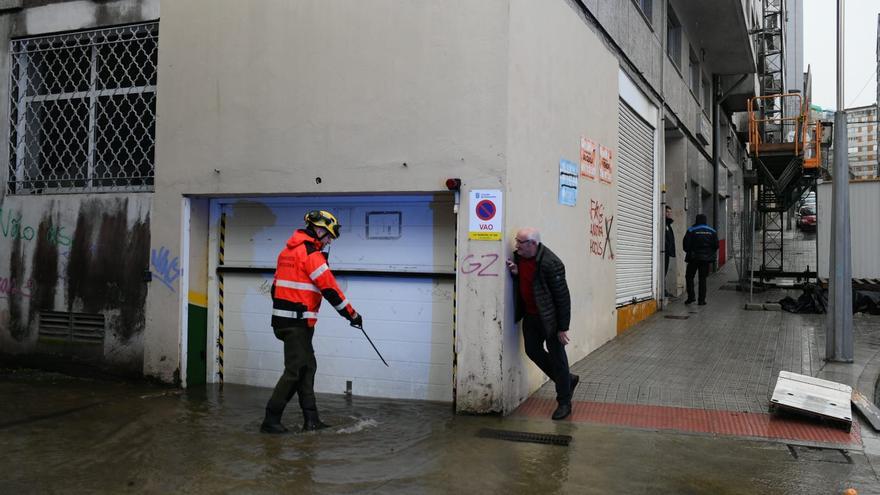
690, 301
701, 303
311, 422
574, 383
562, 411
272, 421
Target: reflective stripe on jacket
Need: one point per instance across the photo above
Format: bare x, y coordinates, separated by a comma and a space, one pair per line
302, 279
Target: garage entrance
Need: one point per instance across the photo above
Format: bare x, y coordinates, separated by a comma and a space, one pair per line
394, 261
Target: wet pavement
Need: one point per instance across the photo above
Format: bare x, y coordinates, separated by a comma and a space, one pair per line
60, 434
70, 435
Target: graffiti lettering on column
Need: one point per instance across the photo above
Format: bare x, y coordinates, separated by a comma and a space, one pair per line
600, 231
482, 266
12, 227
9, 287
166, 269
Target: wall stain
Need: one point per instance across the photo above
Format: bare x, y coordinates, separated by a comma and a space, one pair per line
107, 273
18, 328
44, 271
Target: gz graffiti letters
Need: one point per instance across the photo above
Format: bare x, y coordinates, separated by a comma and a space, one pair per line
163, 267
600, 231
481, 267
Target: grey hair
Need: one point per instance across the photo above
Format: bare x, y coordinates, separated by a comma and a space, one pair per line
531, 234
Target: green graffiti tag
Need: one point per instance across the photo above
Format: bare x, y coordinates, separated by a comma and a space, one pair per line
12, 228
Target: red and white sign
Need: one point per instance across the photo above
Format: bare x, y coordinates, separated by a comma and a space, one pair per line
588, 158
606, 164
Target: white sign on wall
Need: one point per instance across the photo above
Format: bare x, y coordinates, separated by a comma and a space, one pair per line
485, 215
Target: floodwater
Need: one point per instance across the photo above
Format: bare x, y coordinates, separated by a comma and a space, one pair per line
60, 434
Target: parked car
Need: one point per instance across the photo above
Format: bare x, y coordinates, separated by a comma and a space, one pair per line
806, 219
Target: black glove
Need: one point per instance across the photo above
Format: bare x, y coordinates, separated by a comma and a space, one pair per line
357, 321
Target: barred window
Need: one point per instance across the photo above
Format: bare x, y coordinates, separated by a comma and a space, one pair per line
83, 111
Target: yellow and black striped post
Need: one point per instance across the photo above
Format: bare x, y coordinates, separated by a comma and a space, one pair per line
220, 296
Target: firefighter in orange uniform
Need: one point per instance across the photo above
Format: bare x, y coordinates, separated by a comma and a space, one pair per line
302, 280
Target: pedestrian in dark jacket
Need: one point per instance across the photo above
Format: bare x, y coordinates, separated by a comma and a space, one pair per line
700, 245
543, 304
670, 239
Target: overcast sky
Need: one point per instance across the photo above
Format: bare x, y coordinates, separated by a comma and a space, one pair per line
820, 51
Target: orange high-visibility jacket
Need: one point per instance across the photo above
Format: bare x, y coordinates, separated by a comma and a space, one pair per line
302, 278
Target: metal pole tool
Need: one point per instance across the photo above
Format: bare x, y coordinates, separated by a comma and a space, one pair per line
361, 328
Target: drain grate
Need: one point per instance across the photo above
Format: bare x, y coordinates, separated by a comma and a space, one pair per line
523, 436
819, 454
676, 317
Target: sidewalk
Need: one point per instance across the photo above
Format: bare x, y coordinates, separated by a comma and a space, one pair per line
712, 369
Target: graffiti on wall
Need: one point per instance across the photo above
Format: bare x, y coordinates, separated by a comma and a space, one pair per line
482, 266
164, 267
9, 287
11, 227
600, 231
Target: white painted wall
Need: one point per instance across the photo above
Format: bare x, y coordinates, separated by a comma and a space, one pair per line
864, 210
563, 85
386, 96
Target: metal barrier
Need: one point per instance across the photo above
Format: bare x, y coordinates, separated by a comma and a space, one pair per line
83, 111
813, 146
772, 126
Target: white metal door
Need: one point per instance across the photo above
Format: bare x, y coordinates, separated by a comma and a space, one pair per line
394, 261
634, 254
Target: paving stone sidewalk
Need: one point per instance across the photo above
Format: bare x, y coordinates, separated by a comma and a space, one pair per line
719, 357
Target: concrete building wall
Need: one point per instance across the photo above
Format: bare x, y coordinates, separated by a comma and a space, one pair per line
677, 186
563, 84
80, 253
325, 97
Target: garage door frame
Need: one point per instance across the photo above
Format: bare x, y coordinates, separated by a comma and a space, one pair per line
644, 108
215, 276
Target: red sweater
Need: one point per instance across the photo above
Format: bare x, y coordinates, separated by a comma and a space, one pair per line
527, 268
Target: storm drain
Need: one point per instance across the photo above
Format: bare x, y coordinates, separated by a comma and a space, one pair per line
677, 317
523, 436
80, 328
819, 454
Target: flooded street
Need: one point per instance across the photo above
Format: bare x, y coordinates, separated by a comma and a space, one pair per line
73, 435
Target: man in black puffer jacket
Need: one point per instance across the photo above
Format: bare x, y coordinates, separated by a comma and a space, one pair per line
700, 244
544, 305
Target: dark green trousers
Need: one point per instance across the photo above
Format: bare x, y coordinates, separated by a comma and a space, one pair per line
300, 367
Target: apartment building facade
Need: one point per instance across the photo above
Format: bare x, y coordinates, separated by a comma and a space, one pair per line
861, 135
155, 173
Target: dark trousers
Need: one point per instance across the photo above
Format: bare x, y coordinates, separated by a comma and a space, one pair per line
666, 269
694, 267
300, 367
553, 361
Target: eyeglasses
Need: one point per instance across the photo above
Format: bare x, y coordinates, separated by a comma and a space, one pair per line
523, 241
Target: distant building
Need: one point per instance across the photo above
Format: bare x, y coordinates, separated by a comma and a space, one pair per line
861, 135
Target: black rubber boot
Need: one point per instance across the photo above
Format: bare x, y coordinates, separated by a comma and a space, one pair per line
311, 422
272, 421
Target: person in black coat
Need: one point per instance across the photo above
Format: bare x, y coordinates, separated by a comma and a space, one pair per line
670, 239
543, 303
700, 245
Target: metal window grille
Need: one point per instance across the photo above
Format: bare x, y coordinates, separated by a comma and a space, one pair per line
83, 111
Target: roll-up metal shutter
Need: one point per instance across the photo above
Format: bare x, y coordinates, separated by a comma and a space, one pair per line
635, 207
